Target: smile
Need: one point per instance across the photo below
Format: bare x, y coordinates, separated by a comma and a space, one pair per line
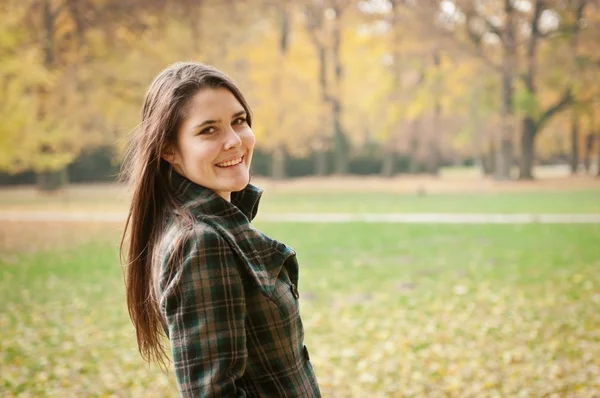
230, 163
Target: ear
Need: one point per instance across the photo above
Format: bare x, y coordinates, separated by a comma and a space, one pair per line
168, 154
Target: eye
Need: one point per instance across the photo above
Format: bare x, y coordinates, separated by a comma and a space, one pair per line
208, 130
240, 120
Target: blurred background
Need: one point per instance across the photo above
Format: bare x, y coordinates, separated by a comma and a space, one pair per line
434, 163
338, 87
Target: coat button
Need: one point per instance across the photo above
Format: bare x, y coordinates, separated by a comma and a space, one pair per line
305, 352
295, 291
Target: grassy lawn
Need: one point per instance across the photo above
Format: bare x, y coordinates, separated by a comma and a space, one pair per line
112, 199
587, 201
389, 310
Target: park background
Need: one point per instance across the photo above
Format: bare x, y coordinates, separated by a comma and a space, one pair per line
434, 163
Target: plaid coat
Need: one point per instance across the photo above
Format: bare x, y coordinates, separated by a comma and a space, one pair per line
230, 307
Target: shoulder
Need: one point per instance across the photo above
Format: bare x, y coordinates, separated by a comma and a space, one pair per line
189, 239
192, 254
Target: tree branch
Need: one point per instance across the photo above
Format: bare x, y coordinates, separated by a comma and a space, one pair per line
535, 31
566, 99
532, 44
476, 38
471, 14
481, 54
570, 28
314, 23
493, 28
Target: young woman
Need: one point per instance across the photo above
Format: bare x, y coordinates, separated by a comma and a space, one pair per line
224, 293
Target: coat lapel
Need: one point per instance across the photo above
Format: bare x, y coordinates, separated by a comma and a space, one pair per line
261, 256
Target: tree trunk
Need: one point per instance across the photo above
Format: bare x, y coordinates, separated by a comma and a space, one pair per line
488, 158
413, 145
587, 157
279, 153
49, 34
388, 166
503, 155
194, 13
49, 180
598, 160
509, 57
530, 126
574, 113
476, 125
432, 162
527, 149
488, 161
323, 73
340, 142
436, 128
314, 13
331, 94
503, 160
320, 157
574, 142
278, 163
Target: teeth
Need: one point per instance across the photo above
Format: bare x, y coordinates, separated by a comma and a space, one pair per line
230, 163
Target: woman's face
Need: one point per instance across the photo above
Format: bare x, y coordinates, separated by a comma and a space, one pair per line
214, 143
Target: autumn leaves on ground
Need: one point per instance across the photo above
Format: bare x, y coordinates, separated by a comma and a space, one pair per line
389, 309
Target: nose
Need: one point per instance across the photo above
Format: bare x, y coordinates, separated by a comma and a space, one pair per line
232, 139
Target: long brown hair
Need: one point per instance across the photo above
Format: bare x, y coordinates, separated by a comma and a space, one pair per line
147, 174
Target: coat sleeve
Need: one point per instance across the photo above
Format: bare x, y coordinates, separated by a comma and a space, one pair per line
205, 308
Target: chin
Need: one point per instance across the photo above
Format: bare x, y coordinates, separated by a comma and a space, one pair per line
238, 184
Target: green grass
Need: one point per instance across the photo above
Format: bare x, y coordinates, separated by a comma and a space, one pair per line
389, 310
273, 201
587, 201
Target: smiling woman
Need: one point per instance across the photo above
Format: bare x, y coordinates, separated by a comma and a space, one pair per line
214, 142
224, 293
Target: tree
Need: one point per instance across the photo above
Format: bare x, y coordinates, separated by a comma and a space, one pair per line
63, 38
493, 41
324, 23
425, 82
507, 36
282, 86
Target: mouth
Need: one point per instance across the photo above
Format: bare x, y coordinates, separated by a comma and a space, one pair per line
230, 163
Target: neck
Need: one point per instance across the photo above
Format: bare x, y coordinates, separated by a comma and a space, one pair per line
225, 195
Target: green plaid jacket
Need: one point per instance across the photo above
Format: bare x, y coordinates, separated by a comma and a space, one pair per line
230, 307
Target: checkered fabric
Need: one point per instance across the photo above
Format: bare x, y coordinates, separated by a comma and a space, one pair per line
230, 307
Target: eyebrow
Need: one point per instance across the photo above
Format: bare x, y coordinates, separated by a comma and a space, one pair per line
207, 122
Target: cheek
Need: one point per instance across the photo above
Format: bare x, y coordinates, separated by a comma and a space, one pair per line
248, 139
197, 153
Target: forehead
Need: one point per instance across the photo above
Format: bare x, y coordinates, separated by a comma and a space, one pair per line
212, 103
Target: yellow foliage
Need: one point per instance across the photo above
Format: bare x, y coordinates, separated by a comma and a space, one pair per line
92, 93
283, 90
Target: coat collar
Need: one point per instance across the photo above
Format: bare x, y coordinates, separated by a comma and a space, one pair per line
204, 201
262, 256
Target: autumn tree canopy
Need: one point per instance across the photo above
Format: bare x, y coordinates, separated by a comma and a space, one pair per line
503, 83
